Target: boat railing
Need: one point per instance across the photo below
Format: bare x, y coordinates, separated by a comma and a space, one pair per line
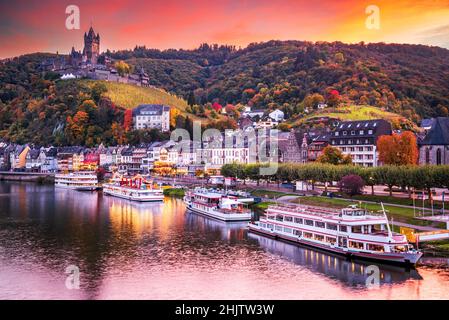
305, 209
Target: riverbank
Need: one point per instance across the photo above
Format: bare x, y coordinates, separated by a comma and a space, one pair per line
41, 178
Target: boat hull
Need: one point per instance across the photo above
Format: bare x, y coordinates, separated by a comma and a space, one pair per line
221, 216
406, 259
155, 198
78, 188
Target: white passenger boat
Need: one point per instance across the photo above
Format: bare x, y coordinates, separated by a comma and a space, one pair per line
216, 205
79, 180
353, 232
135, 189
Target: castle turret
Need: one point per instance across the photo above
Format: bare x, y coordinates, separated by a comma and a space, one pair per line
91, 46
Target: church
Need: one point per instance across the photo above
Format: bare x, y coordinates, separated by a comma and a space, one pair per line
91, 50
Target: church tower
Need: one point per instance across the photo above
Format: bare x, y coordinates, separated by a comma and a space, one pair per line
91, 46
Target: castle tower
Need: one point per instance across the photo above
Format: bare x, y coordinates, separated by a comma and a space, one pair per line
91, 46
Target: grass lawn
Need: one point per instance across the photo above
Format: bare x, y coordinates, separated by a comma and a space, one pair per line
174, 192
262, 205
400, 201
398, 214
440, 247
270, 194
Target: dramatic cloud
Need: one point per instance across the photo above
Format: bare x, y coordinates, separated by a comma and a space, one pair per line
29, 26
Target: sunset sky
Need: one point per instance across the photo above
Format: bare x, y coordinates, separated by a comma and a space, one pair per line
31, 26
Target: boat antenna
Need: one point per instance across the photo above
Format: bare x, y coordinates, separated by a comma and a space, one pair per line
386, 218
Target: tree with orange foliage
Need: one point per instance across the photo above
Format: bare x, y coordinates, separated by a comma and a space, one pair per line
128, 119
398, 149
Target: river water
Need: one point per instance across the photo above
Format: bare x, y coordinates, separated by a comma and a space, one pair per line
126, 250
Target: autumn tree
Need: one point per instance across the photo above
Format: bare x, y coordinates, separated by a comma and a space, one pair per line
333, 98
334, 156
118, 133
122, 67
128, 119
398, 149
311, 101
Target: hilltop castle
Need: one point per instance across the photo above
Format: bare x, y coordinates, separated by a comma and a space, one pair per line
91, 50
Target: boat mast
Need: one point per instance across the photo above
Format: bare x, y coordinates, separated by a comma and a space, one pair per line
386, 218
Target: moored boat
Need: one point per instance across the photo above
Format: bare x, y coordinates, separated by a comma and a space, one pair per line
134, 189
352, 232
216, 205
79, 180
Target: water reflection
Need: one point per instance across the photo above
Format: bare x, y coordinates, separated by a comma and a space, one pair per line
159, 251
349, 272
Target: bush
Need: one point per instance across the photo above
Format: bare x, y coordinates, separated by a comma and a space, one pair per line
352, 184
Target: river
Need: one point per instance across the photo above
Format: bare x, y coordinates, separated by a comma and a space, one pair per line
126, 250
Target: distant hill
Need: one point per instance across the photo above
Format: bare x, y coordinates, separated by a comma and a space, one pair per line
412, 80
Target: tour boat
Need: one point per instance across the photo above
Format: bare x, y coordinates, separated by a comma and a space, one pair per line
353, 232
79, 180
135, 189
216, 205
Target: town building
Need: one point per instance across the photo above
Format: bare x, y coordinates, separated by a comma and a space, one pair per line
359, 140
147, 116
434, 147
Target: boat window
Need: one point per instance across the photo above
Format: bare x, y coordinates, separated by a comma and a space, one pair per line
399, 248
331, 240
319, 237
278, 228
271, 217
319, 224
343, 229
377, 228
269, 226
279, 217
308, 235
288, 230
331, 226
356, 229
298, 220
308, 222
375, 247
297, 232
288, 219
356, 244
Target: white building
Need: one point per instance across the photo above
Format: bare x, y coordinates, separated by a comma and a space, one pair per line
147, 116
277, 115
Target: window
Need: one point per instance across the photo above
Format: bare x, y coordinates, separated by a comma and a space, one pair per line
438, 156
356, 229
370, 131
319, 224
352, 132
308, 222
336, 133
362, 132
308, 235
319, 237
343, 229
345, 133
356, 244
331, 226
375, 247
288, 219
331, 240
298, 220
297, 233
279, 217
288, 230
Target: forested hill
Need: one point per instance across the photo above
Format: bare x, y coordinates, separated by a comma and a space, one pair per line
412, 80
